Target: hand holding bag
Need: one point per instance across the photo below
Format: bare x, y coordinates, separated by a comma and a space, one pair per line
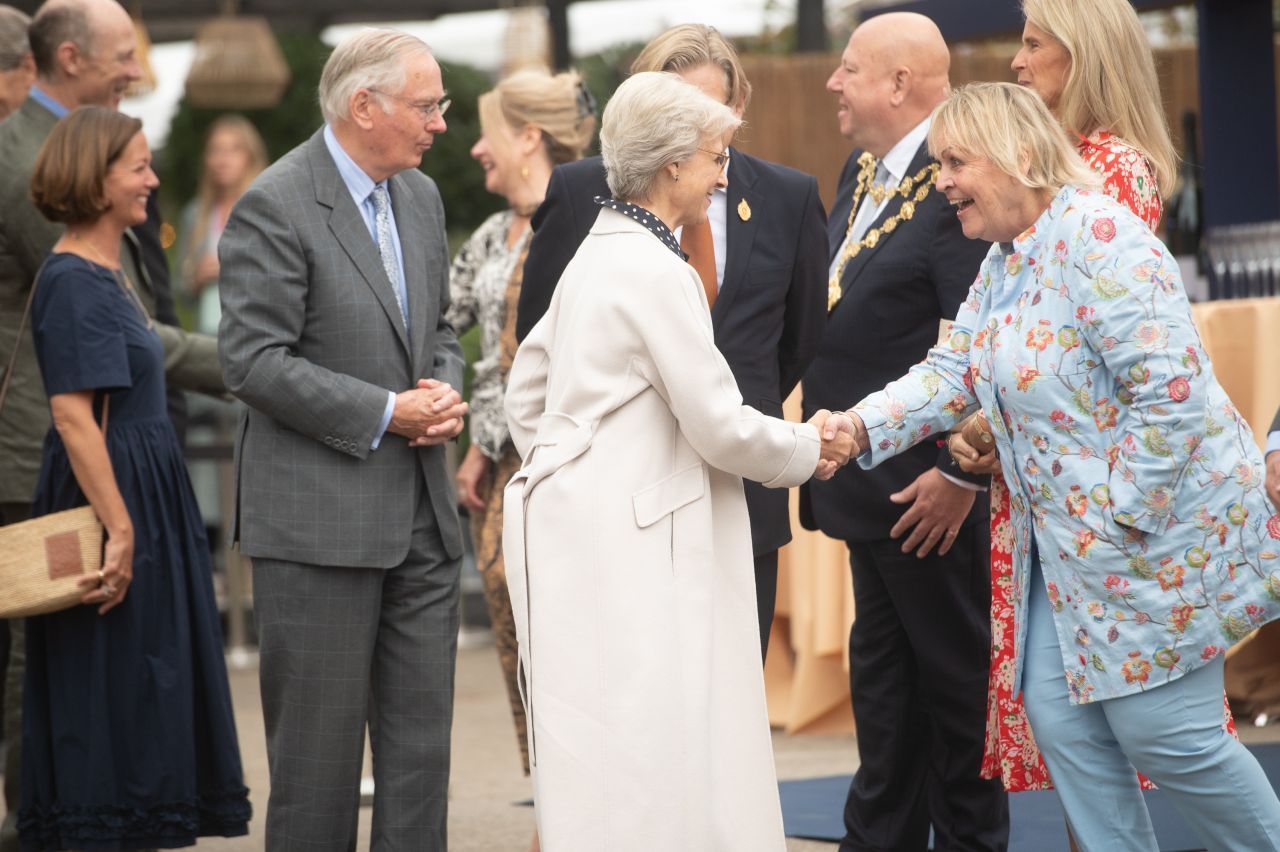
43, 560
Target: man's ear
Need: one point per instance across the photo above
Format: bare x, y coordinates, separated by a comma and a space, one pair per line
69, 59
362, 105
902, 82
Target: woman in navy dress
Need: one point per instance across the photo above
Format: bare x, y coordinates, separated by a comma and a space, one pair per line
128, 735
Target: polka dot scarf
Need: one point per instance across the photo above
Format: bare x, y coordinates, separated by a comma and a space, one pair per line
644, 217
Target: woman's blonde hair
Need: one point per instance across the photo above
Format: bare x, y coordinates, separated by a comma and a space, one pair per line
206, 193
1010, 126
655, 118
559, 106
1111, 83
687, 46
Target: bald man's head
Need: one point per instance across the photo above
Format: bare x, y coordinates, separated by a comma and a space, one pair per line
892, 74
86, 49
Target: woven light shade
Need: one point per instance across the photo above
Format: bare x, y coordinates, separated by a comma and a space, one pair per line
147, 84
527, 41
238, 65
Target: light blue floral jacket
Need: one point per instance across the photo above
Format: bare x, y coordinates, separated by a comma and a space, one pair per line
1140, 481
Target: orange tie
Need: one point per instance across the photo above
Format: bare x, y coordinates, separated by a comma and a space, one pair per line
696, 241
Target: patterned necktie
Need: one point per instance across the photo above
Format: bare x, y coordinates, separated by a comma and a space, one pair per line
697, 242
386, 248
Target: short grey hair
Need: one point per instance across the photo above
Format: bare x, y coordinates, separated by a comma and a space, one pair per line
373, 58
14, 43
653, 119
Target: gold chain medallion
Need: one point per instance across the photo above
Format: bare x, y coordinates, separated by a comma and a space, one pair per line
922, 183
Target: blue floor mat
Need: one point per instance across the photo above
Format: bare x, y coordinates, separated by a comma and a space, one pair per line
813, 808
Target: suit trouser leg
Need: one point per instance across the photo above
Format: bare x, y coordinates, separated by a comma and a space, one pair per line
14, 672
411, 711
918, 679
766, 595
1173, 733
337, 647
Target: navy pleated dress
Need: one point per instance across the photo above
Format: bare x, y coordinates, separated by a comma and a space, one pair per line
128, 736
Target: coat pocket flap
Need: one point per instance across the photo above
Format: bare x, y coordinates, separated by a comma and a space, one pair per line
664, 497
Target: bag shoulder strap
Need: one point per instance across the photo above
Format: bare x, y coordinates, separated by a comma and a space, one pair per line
13, 358
17, 343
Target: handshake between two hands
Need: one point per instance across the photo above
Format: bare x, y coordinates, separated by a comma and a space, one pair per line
428, 414
843, 436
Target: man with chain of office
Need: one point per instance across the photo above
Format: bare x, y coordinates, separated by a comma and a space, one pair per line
915, 526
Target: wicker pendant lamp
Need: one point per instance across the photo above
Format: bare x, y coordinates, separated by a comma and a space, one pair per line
237, 64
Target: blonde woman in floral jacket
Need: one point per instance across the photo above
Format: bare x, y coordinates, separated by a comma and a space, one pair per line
1144, 542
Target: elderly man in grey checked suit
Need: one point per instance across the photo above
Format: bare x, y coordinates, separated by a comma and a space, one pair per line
334, 288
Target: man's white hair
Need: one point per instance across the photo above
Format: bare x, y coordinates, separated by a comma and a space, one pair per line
370, 59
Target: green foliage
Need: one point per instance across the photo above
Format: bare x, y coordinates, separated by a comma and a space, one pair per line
603, 72
460, 178
283, 126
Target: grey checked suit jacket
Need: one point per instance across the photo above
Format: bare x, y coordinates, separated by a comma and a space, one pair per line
311, 339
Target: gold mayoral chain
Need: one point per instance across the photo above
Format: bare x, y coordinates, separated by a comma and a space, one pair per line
921, 183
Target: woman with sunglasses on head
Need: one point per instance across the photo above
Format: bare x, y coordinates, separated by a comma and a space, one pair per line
1091, 64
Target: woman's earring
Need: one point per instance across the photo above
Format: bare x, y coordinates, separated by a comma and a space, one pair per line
524, 172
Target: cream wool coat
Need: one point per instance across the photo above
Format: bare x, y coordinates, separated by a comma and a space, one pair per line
629, 561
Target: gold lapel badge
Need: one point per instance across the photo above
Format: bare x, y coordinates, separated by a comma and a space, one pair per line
744, 210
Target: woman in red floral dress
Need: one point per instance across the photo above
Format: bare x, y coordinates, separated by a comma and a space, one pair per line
1090, 62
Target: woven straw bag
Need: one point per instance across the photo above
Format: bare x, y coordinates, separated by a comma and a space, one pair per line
43, 560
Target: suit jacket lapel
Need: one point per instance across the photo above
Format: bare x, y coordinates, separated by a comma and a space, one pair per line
413, 224
838, 221
347, 225
855, 266
740, 234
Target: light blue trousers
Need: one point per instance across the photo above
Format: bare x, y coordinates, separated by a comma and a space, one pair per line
1173, 734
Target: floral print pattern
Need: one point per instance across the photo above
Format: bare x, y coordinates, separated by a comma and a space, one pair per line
1126, 174
478, 295
1092, 413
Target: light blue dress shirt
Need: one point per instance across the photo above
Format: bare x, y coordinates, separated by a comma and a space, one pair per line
360, 185
1273, 443
46, 100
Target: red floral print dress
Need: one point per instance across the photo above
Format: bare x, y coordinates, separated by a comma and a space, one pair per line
1011, 752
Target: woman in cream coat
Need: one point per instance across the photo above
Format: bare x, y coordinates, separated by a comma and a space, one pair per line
628, 547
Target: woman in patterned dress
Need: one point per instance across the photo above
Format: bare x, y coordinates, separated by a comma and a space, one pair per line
1090, 62
530, 123
1144, 544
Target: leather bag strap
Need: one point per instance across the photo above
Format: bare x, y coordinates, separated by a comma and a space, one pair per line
13, 358
17, 343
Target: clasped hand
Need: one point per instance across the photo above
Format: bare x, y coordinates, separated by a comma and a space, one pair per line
839, 433
428, 414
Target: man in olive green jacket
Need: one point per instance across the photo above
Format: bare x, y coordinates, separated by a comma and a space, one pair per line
85, 54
